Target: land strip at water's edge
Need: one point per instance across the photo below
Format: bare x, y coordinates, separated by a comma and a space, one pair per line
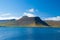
29, 22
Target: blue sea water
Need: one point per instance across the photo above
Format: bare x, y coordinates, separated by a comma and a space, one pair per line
26, 33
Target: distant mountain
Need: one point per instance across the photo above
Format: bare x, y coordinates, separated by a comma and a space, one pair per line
31, 21
53, 23
24, 21
10, 22
2, 21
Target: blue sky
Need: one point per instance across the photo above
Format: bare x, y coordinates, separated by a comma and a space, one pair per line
41, 8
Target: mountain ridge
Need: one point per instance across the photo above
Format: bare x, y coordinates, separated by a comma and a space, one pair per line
25, 20
29, 21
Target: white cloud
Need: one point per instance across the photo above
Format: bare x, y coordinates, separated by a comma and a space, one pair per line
7, 16
29, 14
57, 18
31, 10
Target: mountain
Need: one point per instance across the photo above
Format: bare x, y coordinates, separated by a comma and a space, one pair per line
53, 23
10, 22
24, 21
31, 21
2, 21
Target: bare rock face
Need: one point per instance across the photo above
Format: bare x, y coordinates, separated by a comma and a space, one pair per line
31, 21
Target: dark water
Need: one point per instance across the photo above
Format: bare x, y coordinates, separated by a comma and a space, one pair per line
9, 33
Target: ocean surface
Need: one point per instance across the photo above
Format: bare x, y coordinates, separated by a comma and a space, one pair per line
26, 33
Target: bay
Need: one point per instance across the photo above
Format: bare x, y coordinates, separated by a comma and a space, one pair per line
29, 33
